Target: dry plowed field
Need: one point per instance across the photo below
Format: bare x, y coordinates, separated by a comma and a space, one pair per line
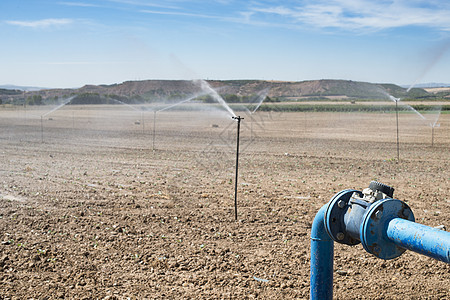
110, 203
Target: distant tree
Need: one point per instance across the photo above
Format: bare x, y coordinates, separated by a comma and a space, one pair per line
176, 96
34, 100
268, 99
231, 98
89, 98
116, 99
1, 101
206, 99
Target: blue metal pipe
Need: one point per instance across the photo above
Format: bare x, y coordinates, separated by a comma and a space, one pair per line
419, 238
386, 230
322, 252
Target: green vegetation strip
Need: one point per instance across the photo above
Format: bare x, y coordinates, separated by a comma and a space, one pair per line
346, 108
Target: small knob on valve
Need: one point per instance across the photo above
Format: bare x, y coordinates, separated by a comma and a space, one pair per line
381, 187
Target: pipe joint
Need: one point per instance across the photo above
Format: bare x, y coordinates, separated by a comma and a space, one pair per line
385, 227
375, 222
354, 217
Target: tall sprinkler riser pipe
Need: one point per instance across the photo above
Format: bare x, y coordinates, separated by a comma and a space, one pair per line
42, 130
238, 118
384, 226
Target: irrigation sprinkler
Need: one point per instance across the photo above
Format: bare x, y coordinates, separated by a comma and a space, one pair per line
432, 132
210, 91
409, 107
142, 120
433, 125
154, 128
167, 108
238, 118
384, 226
51, 111
42, 130
25, 112
398, 142
396, 100
305, 121
262, 95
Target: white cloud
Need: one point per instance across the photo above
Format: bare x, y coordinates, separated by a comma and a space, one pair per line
178, 13
86, 62
144, 4
81, 4
44, 23
356, 15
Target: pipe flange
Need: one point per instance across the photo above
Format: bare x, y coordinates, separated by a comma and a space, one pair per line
373, 227
334, 217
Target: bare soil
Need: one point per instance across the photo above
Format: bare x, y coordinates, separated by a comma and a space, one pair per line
93, 205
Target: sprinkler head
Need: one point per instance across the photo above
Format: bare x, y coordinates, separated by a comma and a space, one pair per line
237, 118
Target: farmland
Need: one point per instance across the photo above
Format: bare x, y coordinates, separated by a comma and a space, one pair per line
108, 202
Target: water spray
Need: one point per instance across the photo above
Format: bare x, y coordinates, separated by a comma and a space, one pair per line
51, 111
209, 90
59, 106
123, 103
262, 95
396, 101
166, 108
181, 102
238, 118
433, 125
133, 108
434, 59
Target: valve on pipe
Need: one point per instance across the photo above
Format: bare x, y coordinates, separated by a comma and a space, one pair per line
384, 226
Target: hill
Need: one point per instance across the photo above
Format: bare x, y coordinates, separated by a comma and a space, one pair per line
9, 92
232, 90
21, 88
164, 89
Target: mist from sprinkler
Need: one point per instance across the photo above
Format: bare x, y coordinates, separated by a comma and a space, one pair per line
262, 95
59, 106
398, 101
434, 125
431, 124
438, 53
142, 111
409, 107
51, 111
436, 56
126, 104
167, 108
210, 91
181, 102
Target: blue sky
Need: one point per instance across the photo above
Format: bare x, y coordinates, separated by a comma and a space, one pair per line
73, 43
